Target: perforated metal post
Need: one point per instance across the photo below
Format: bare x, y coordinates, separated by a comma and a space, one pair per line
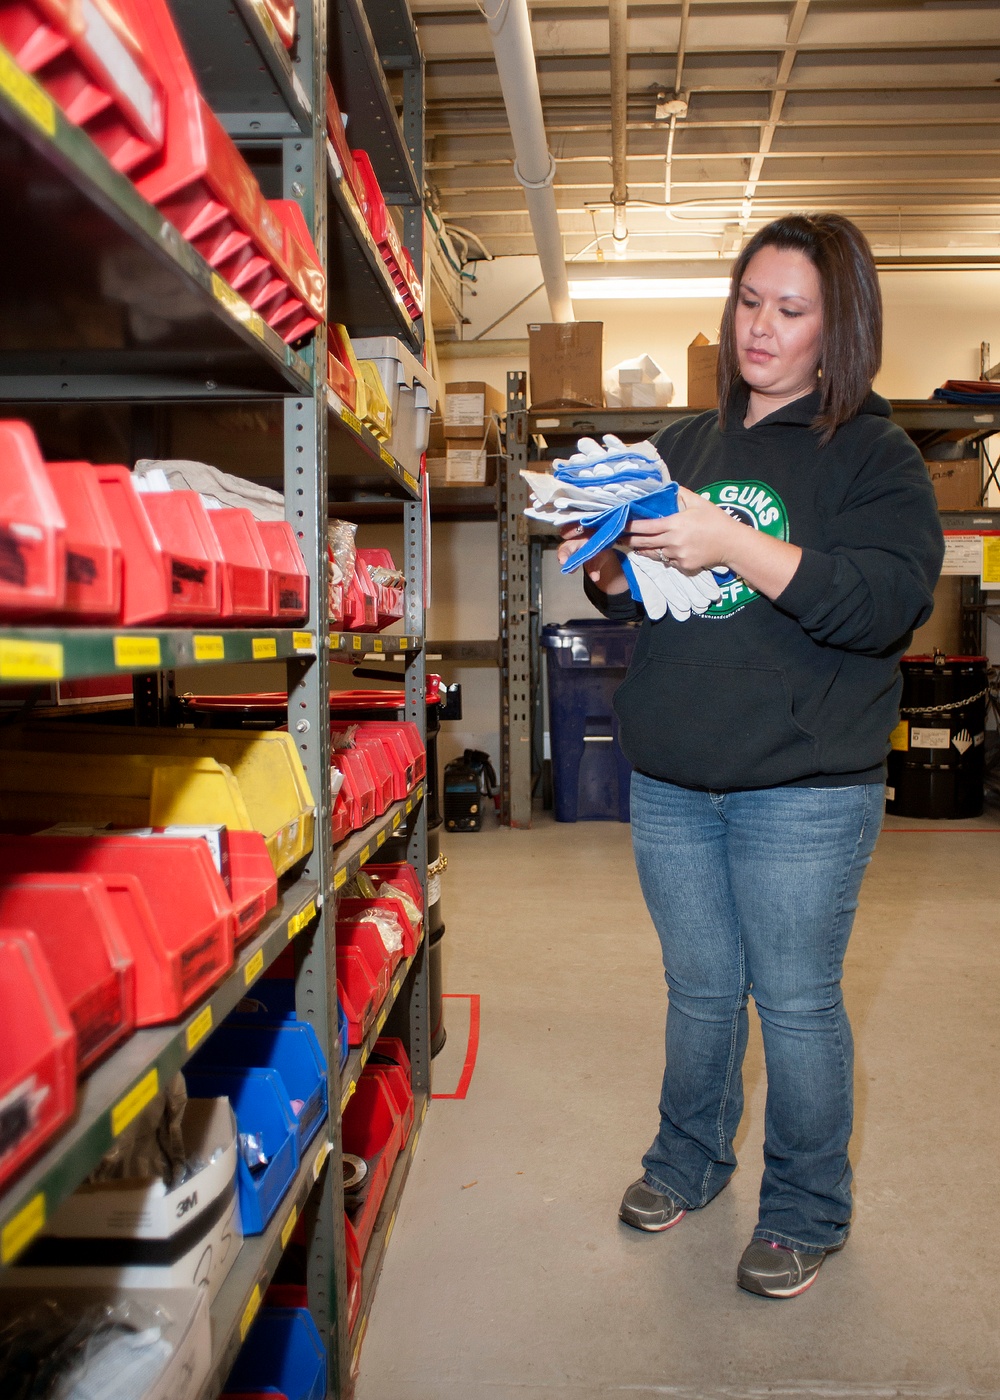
416, 850
515, 615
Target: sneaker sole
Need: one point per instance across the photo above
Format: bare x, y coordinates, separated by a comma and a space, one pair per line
762, 1292
652, 1229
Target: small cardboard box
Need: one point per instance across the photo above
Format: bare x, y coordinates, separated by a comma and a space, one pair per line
957, 483
179, 1315
469, 406
138, 1234
473, 463
566, 364
703, 362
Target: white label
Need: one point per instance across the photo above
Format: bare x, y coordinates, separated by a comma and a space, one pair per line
890, 794
465, 464
464, 410
930, 738
123, 70
963, 554
433, 889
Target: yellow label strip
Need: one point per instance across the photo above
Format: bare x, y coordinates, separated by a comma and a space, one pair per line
31, 661
254, 967
264, 648
303, 641
22, 1228
209, 648
25, 93
250, 1312
321, 1157
298, 921
348, 1094
350, 419
127, 1110
137, 651
340, 879
288, 1227
198, 1029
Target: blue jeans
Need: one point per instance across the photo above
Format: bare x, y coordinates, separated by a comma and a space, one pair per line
756, 892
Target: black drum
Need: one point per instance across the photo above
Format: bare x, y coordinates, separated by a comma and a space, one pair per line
937, 761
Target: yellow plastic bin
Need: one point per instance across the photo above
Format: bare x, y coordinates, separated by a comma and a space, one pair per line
266, 766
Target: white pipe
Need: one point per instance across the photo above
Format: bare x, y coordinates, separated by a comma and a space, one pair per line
534, 165
618, 54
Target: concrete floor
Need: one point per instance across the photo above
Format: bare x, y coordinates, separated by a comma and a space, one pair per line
509, 1276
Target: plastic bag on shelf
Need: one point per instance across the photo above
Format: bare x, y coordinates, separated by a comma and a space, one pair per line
155, 1148
52, 1350
217, 488
342, 553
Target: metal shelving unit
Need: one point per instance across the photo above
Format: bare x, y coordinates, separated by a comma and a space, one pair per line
548, 433
91, 253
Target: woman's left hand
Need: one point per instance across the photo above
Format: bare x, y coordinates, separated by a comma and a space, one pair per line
699, 537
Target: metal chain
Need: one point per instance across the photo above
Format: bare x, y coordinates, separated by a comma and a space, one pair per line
944, 709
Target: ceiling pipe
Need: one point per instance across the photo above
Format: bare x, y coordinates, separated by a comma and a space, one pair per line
534, 165
618, 52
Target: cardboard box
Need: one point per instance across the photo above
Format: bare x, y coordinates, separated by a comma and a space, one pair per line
468, 406
957, 483
703, 362
566, 364
473, 463
151, 1237
181, 1313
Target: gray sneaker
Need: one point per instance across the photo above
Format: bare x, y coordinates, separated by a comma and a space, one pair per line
775, 1271
645, 1208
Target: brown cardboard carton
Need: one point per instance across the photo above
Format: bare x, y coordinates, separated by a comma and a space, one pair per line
703, 360
957, 484
566, 363
473, 463
468, 406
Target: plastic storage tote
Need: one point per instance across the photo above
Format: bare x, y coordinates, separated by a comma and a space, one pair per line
586, 662
171, 904
260, 1103
283, 1352
290, 1047
37, 1052
93, 549
289, 576
180, 523
246, 570
80, 936
32, 528
372, 1129
413, 396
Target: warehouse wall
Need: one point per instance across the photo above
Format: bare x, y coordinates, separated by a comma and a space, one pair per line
934, 322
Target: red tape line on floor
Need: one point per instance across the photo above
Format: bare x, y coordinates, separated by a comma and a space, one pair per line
472, 1049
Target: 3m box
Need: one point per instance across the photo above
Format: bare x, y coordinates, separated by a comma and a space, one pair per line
703, 361
566, 364
135, 1233
957, 484
469, 407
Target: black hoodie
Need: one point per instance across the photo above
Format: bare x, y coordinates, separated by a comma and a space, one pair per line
803, 690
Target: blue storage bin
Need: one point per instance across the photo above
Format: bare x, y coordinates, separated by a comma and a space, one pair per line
586, 662
342, 1030
283, 1349
273, 999
290, 1047
260, 1103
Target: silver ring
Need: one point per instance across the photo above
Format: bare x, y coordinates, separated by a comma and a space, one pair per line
662, 557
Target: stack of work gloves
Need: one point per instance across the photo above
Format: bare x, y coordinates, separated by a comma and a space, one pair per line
602, 489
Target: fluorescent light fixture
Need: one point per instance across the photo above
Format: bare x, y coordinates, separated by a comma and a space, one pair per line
648, 288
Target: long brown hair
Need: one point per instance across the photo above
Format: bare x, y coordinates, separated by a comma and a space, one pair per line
851, 347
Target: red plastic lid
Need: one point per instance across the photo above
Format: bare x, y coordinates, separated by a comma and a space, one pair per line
947, 660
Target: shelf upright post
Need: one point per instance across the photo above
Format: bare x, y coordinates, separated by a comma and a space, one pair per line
306, 497
515, 614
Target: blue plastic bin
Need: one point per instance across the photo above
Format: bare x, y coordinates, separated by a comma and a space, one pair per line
273, 999
260, 1103
283, 1349
290, 1047
586, 662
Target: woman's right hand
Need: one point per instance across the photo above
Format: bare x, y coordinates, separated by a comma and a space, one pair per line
604, 569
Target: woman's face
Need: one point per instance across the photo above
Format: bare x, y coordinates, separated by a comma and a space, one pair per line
779, 324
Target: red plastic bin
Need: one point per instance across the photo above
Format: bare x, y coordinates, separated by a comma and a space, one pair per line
78, 931
93, 548
295, 319
180, 522
289, 576
372, 1130
359, 786
253, 885
353, 908
355, 931
359, 991
391, 1063
398, 873
32, 527
404, 736
37, 1052
380, 765
146, 567
183, 937
246, 570
88, 59
353, 1274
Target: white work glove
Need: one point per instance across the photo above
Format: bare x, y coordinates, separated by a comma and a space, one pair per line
593, 462
665, 588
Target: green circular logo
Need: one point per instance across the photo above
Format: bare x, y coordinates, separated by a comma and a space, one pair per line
753, 504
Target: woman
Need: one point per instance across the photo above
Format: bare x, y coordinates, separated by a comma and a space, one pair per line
758, 732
